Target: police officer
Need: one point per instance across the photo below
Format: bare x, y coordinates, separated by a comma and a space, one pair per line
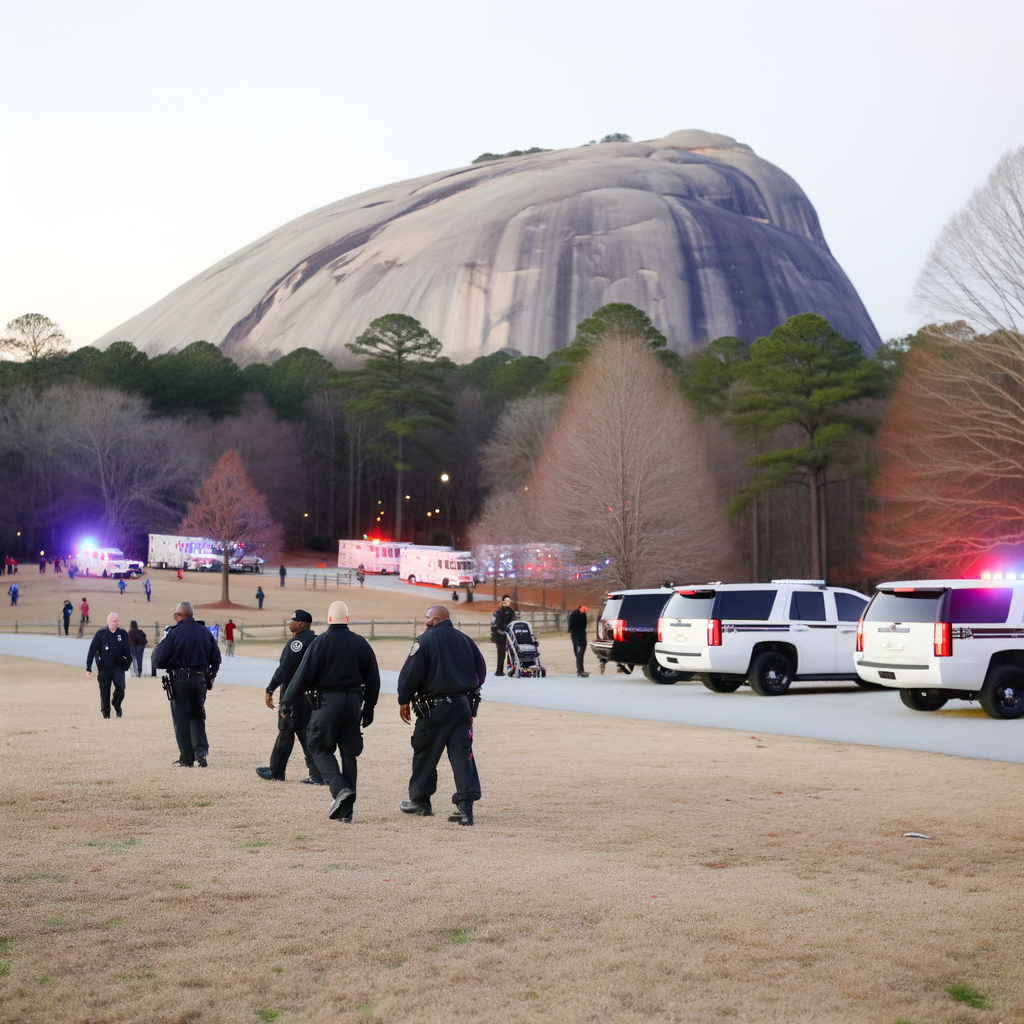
577, 629
289, 728
503, 615
110, 650
191, 658
339, 678
441, 680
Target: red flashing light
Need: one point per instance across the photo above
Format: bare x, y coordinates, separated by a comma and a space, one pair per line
860, 636
688, 593
943, 640
714, 632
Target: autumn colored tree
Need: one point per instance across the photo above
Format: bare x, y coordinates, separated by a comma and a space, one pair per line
228, 509
624, 473
950, 486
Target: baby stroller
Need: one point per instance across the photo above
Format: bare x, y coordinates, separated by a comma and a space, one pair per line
523, 650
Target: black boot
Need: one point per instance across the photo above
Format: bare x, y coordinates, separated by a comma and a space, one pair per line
463, 813
266, 773
416, 807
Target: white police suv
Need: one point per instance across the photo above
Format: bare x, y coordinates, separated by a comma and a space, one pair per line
936, 640
763, 634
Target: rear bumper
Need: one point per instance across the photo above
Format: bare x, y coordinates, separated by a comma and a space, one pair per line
631, 652
926, 674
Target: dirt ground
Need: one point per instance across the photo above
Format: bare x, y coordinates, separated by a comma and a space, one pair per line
618, 871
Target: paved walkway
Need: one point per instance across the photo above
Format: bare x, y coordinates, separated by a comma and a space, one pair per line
839, 712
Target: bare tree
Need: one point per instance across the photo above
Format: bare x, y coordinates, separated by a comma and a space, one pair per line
229, 509
509, 456
975, 271
32, 337
624, 474
951, 482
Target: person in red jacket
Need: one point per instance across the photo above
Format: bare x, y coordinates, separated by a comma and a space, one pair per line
229, 638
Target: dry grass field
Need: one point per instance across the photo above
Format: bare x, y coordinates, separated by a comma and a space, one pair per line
618, 871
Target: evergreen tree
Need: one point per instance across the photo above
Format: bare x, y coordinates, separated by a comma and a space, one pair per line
400, 385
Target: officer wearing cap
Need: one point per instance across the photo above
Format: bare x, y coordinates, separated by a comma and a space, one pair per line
289, 728
441, 681
191, 658
339, 678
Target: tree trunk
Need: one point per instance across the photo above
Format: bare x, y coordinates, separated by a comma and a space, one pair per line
351, 482
823, 491
224, 575
756, 551
398, 492
815, 525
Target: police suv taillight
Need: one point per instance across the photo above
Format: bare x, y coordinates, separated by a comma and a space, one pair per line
661, 631
943, 640
714, 632
860, 636
617, 628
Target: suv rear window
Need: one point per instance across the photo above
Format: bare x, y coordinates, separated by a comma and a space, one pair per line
980, 604
807, 605
641, 611
913, 606
696, 605
849, 607
744, 604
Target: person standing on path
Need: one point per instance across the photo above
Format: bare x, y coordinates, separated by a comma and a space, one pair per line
13, 591
577, 629
260, 596
229, 638
338, 675
289, 728
112, 654
191, 658
122, 586
66, 612
148, 588
503, 615
137, 641
441, 681
282, 572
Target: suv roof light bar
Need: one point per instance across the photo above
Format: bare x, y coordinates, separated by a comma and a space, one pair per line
808, 583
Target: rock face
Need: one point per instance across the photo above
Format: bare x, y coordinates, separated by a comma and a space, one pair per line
694, 229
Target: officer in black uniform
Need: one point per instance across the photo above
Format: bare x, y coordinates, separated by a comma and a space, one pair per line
339, 678
441, 680
108, 648
289, 728
503, 615
577, 629
191, 658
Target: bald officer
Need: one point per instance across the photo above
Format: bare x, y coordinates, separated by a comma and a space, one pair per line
441, 681
339, 678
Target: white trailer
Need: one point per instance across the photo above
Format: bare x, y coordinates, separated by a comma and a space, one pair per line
443, 567
175, 552
375, 556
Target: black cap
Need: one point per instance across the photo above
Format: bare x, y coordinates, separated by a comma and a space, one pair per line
301, 616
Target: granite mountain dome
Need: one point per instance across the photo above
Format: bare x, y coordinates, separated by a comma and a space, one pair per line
694, 229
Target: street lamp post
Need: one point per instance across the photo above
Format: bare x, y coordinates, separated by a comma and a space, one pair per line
447, 506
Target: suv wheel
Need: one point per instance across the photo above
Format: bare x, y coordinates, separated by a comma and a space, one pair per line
721, 684
657, 673
922, 700
770, 674
1002, 696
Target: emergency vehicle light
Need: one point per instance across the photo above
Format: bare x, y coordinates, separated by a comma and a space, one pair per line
714, 632
943, 640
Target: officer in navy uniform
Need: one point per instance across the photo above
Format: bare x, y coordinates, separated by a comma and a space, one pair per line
289, 728
441, 680
109, 649
339, 678
191, 658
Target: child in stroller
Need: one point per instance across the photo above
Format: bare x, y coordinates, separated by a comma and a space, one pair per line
523, 650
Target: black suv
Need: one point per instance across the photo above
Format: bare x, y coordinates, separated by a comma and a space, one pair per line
627, 630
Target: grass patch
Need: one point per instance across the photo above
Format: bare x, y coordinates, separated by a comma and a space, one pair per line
255, 844
963, 993
54, 922
204, 803
264, 1013
5, 968
112, 922
278, 968
460, 937
109, 844
367, 1011
182, 885
104, 782
300, 835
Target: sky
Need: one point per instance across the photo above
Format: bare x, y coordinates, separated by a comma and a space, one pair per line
141, 143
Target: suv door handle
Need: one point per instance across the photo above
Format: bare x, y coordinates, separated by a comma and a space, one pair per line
853, 630
802, 628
